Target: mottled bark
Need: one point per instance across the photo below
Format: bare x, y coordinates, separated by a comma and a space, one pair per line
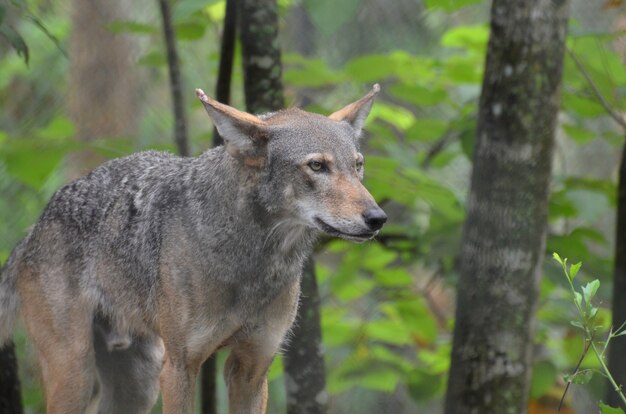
176, 88
262, 69
617, 350
305, 374
504, 234
102, 98
10, 398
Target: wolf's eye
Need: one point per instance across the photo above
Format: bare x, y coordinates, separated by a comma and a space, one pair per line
317, 166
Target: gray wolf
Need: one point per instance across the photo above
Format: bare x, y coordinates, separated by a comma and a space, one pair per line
139, 271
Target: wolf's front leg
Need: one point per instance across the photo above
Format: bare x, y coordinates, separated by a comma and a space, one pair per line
177, 385
253, 349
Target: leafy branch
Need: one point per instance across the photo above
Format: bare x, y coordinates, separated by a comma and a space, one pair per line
586, 322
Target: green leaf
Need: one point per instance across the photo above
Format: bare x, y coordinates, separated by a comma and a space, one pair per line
379, 379
389, 331
460, 69
573, 270
370, 68
589, 290
3, 12
556, 257
128, 26
577, 325
472, 38
396, 277
427, 129
543, 378
420, 96
579, 299
607, 409
183, 9
582, 106
189, 30
424, 386
153, 58
398, 116
376, 258
16, 41
450, 5
580, 377
579, 134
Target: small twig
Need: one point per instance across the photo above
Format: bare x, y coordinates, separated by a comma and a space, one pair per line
439, 145
580, 361
605, 104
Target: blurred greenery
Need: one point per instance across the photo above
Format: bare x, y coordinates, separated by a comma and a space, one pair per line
387, 305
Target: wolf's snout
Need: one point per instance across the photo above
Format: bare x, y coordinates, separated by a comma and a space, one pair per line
374, 218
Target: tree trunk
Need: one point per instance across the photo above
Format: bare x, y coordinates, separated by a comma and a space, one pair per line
504, 234
102, 97
262, 69
176, 87
617, 349
227, 57
305, 374
10, 398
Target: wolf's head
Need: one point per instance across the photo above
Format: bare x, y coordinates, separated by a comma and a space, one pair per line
310, 167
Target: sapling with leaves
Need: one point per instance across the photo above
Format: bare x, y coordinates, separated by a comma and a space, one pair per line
592, 335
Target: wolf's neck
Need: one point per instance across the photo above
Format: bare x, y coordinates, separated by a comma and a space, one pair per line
231, 190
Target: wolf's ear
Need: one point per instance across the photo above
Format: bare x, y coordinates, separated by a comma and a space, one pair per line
241, 131
356, 113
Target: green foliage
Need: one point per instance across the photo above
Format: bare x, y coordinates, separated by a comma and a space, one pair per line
586, 322
382, 328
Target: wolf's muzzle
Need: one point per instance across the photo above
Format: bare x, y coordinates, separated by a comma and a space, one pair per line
375, 218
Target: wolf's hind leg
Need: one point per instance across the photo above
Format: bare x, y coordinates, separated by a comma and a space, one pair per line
129, 378
59, 323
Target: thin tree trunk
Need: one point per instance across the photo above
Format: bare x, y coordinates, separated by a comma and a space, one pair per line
178, 103
305, 373
262, 69
227, 57
504, 234
617, 350
10, 398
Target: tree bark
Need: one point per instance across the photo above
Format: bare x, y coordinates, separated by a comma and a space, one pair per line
102, 98
227, 57
10, 398
262, 69
504, 234
617, 349
178, 103
305, 373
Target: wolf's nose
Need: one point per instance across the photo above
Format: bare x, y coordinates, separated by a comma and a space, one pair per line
374, 218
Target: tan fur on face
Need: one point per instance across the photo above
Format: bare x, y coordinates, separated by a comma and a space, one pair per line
348, 198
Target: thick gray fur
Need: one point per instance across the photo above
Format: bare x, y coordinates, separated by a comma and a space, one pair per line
113, 244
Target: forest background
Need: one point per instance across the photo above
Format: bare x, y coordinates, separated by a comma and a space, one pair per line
81, 82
